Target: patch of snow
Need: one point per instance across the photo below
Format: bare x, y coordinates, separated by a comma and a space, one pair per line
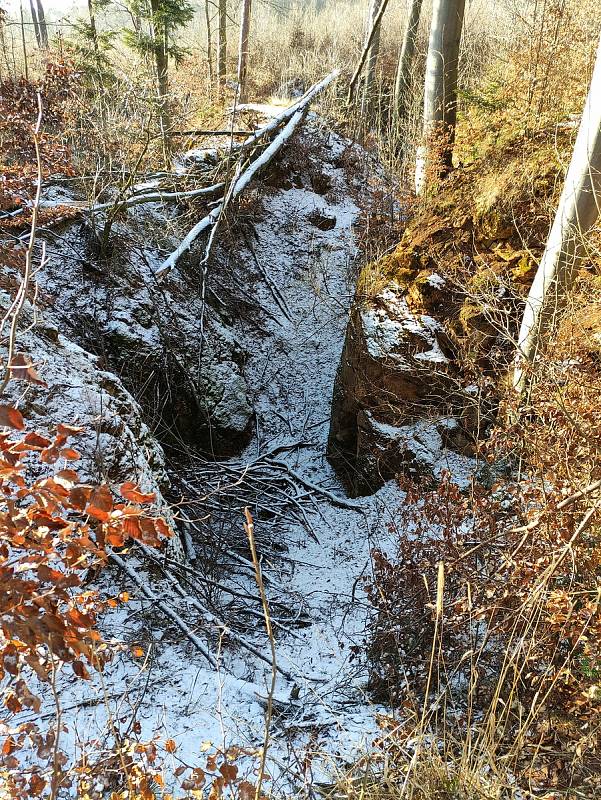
386, 323
436, 281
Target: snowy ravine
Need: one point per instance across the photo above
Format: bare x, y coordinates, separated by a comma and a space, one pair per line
325, 718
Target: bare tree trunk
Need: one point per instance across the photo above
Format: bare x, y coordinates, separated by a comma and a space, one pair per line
93, 31
577, 212
3, 42
209, 40
36, 25
24, 45
406, 56
161, 59
42, 25
435, 156
366, 47
243, 51
372, 57
222, 45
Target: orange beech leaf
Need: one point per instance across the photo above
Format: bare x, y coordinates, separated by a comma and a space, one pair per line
80, 670
170, 746
115, 538
22, 369
70, 454
100, 504
68, 430
80, 495
229, 772
11, 418
35, 440
46, 573
148, 534
132, 527
134, 494
12, 701
246, 790
36, 784
67, 478
162, 528
79, 619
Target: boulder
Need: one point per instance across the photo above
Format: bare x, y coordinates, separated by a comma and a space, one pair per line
169, 346
397, 398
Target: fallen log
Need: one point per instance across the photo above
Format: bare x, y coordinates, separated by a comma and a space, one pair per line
292, 116
211, 219
165, 197
208, 133
280, 119
137, 199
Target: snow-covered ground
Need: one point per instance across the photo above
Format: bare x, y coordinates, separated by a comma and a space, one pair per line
324, 716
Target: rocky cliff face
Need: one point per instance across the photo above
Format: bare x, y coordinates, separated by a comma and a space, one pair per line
148, 367
139, 366
169, 343
398, 401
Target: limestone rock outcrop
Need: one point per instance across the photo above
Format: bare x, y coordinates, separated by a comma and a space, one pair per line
398, 399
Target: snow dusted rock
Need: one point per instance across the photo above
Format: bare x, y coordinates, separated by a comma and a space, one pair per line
382, 448
196, 159
173, 352
395, 381
116, 445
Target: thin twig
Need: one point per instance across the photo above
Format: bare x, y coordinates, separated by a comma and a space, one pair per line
249, 527
16, 307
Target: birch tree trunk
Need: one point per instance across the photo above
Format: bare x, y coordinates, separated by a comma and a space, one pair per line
435, 156
577, 212
403, 76
243, 50
222, 44
36, 25
42, 25
372, 58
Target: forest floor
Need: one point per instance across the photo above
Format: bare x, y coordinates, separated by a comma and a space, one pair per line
324, 717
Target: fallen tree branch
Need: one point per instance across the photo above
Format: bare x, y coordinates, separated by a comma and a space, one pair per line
137, 199
211, 219
169, 612
280, 119
208, 133
567, 501
292, 116
209, 616
341, 502
563, 504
